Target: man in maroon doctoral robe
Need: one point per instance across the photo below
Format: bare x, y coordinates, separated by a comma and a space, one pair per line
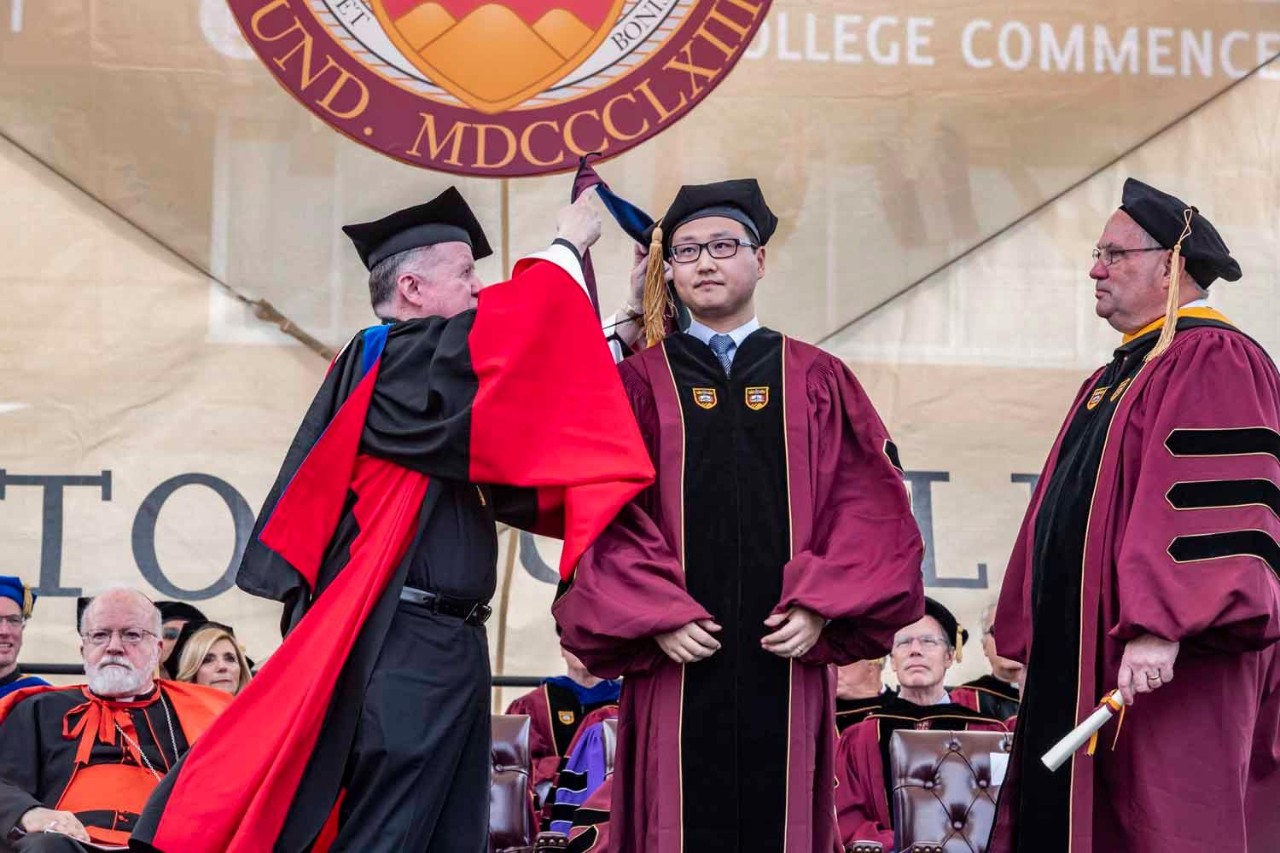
1150, 543
995, 694
776, 541
369, 727
860, 689
922, 654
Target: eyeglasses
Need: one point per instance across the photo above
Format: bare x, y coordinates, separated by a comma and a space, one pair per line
128, 636
722, 249
928, 643
1109, 256
15, 621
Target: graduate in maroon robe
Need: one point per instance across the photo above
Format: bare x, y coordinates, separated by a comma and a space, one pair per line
777, 540
922, 654
1150, 542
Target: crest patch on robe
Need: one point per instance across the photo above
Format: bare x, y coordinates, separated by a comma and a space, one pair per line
1097, 397
566, 717
757, 397
705, 397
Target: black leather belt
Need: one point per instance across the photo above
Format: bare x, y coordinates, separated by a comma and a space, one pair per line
473, 612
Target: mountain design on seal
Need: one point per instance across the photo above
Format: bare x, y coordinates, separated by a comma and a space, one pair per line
495, 55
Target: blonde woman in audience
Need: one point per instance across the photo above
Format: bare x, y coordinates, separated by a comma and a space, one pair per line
212, 657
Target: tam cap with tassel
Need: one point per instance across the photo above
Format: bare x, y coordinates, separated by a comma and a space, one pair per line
951, 627
740, 200
1180, 227
662, 305
14, 589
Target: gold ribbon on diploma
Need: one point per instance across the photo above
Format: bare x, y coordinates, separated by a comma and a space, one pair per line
1115, 702
1087, 731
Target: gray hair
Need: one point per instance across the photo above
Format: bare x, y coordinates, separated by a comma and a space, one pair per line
157, 623
383, 276
988, 614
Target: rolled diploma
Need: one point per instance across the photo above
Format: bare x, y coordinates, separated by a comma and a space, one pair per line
1079, 736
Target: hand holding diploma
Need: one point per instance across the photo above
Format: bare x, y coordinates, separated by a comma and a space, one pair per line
1146, 666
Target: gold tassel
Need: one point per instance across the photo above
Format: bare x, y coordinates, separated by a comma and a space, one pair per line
959, 644
1114, 706
28, 602
1170, 327
657, 306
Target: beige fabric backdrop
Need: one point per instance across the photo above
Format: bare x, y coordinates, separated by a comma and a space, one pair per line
889, 151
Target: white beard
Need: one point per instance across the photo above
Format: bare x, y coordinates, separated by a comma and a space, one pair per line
117, 681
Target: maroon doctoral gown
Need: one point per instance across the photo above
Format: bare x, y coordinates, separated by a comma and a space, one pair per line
988, 695
776, 487
1156, 514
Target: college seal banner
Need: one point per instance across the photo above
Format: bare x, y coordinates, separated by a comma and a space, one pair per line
506, 88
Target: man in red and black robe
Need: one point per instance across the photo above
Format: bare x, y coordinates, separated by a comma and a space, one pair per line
777, 540
1151, 544
467, 407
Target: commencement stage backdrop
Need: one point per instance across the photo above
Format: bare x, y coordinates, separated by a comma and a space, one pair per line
941, 168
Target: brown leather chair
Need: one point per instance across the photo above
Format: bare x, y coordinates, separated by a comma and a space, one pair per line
944, 796
511, 821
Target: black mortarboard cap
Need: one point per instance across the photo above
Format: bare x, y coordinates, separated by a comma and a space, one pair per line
1163, 217
445, 219
950, 625
170, 610
739, 199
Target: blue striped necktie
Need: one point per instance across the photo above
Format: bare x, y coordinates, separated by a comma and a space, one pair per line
721, 345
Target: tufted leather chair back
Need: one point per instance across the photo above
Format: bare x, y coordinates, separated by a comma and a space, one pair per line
511, 821
944, 788
610, 732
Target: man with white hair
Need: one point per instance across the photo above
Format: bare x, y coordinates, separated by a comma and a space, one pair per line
860, 690
77, 763
921, 655
997, 693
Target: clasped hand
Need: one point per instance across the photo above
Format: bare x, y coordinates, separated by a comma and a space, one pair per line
795, 632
